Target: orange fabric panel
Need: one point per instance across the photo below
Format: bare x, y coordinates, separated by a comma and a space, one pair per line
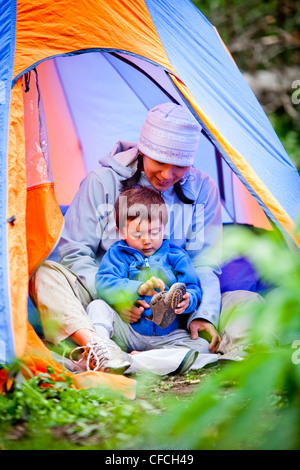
66, 157
37, 358
45, 28
244, 168
44, 222
16, 232
248, 206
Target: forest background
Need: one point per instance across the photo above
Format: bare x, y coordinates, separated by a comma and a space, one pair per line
264, 40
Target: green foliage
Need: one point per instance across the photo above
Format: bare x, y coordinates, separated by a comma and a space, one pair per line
289, 134
254, 404
265, 36
54, 414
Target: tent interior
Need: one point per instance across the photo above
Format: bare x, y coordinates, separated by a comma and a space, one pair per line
87, 102
77, 107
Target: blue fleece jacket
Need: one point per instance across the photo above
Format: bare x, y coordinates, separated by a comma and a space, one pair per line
123, 269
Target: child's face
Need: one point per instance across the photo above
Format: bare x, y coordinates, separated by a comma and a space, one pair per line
143, 235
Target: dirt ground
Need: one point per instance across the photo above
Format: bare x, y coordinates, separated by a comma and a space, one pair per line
178, 385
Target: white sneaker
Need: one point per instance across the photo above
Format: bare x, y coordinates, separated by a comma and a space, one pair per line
236, 355
103, 354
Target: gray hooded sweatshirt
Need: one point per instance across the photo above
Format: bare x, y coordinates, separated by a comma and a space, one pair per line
90, 225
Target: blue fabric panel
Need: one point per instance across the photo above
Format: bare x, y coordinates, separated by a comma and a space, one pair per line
199, 57
7, 44
241, 274
101, 98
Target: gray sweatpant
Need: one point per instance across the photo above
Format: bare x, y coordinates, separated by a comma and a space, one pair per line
108, 323
63, 302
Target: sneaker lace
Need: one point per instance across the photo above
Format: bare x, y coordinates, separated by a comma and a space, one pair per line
96, 354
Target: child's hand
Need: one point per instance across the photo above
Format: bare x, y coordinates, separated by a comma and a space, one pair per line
148, 287
183, 304
133, 314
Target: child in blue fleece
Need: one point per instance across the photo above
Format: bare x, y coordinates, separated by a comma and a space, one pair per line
142, 262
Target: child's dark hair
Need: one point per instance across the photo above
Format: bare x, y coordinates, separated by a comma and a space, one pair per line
133, 181
142, 202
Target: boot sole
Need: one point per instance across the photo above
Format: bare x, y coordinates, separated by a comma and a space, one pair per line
176, 298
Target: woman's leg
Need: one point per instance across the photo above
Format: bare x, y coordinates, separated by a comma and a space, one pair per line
61, 299
236, 323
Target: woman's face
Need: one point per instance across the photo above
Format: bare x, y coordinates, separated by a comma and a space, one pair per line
162, 176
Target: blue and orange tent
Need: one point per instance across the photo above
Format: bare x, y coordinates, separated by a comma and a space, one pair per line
76, 77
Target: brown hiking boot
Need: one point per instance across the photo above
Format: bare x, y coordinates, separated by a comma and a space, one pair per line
163, 305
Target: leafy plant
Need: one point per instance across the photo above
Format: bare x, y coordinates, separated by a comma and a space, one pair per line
254, 404
54, 414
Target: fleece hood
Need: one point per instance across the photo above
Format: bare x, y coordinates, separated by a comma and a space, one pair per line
122, 158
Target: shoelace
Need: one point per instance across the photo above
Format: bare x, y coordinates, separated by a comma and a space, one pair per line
98, 353
95, 352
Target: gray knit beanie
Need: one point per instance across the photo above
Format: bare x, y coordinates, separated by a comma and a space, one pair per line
170, 134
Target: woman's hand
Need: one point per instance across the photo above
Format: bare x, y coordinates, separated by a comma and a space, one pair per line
198, 326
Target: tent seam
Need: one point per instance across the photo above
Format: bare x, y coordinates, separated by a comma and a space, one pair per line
87, 51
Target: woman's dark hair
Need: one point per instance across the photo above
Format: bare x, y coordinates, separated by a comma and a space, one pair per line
133, 181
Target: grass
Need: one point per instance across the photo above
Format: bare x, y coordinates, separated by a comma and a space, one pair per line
42, 414
215, 408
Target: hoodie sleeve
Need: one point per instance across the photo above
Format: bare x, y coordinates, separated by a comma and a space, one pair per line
204, 248
81, 235
112, 283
